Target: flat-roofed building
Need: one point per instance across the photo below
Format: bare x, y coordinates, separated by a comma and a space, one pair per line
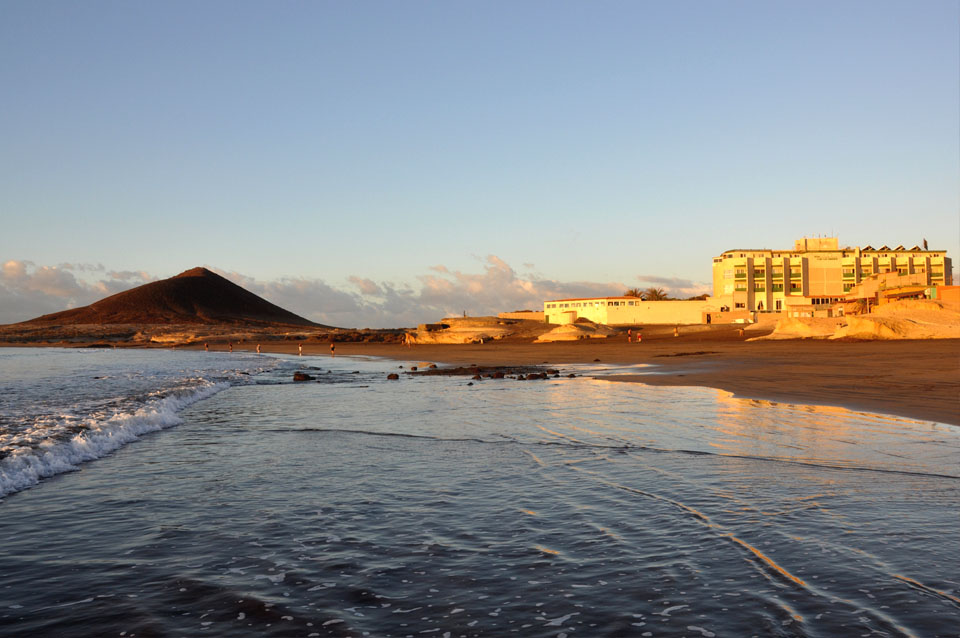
627, 311
816, 273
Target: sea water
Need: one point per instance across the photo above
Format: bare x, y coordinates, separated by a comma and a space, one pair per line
167, 493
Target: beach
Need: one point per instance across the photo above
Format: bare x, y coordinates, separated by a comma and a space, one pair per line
180, 492
916, 379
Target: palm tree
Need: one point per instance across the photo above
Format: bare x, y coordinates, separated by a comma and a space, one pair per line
633, 292
654, 294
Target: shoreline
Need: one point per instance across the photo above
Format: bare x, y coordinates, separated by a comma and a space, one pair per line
917, 379
913, 379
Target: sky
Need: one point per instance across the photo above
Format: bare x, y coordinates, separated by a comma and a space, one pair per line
381, 164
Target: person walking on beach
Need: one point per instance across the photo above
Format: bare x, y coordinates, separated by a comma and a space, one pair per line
629, 335
676, 331
230, 345
300, 346
258, 348
639, 336
333, 350
206, 347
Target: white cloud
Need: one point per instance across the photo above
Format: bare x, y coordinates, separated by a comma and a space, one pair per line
27, 291
440, 294
676, 287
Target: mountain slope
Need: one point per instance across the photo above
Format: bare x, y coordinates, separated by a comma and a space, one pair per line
197, 296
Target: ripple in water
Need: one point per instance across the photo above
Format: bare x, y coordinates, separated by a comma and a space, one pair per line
429, 507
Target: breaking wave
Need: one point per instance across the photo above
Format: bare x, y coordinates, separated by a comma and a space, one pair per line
23, 466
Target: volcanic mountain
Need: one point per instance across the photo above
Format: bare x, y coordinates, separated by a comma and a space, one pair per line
196, 296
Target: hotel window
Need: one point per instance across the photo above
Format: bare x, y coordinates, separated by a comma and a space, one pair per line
740, 287
739, 304
795, 272
777, 287
759, 273
759, 288
794, 286
777, 271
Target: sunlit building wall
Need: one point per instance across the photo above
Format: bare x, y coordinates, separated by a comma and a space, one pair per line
817, 272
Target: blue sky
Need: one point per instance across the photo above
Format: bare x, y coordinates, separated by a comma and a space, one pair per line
376, 156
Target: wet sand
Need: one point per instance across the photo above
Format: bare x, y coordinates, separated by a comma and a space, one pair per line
916, 379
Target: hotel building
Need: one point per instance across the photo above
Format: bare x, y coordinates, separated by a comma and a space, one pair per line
816, 273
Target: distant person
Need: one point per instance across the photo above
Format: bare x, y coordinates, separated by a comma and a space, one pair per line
300, 346
629, 335
333, 349
206, 346
676, 331
258, 348
639, 336
230, 345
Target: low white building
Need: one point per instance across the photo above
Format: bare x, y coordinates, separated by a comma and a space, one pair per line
628, 311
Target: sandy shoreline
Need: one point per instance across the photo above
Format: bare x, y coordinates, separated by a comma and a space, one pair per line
916, 379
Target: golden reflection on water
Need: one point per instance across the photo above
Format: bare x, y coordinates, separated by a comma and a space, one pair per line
596, 411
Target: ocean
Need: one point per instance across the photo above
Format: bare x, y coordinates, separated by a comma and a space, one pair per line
176, 493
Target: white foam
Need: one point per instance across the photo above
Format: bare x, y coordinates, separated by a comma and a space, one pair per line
24, 467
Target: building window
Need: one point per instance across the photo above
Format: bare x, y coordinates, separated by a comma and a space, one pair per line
777, 287
759, 288
740, 287
739, 304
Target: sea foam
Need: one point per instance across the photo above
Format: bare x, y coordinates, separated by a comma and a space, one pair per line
25, 466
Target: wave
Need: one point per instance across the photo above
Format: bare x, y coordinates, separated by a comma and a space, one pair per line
26, 466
